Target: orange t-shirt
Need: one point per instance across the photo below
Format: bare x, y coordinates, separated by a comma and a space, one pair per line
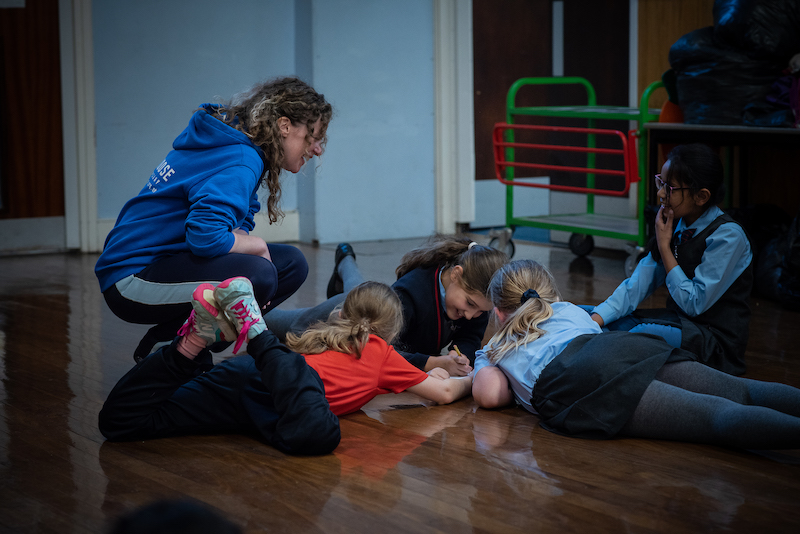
351, 383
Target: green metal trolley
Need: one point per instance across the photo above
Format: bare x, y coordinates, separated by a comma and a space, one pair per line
587, 224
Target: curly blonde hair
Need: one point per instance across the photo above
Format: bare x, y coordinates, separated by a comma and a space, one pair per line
369, 308
256, 113
523, 314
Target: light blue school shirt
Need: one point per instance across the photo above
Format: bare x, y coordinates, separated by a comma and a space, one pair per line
523, 365
727, 255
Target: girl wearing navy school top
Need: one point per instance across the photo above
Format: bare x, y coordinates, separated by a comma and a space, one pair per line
706, 264
442, 287
191, 221
551, 358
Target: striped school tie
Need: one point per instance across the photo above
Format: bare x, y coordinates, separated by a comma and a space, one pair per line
680, 238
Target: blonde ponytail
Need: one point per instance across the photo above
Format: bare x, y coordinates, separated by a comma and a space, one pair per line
524, 291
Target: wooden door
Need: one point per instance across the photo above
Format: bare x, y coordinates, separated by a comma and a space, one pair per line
513, 39
31, 161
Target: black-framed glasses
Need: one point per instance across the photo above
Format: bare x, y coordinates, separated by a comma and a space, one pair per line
661, 183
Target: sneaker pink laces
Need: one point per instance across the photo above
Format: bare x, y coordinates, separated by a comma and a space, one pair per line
235, 299
206, 320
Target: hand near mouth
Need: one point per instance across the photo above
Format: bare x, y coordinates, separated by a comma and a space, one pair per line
662, 210
664, 229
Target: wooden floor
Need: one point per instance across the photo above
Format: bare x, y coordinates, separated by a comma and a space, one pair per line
402, 466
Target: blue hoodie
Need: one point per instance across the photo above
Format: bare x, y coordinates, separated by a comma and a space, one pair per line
205, 188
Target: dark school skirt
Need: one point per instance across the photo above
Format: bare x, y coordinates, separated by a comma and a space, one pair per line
712, 346
592, 388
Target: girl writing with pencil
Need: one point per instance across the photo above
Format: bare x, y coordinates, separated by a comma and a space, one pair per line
442, 287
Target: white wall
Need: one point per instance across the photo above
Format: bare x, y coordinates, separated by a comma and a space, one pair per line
155, 62
374, 61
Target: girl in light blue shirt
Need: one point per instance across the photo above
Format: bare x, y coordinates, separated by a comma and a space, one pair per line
552, 359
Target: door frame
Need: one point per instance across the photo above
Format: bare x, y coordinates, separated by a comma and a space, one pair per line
80, 156
77, 228
454, 153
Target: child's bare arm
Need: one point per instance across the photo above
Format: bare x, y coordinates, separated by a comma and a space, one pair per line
442, 391
491, 388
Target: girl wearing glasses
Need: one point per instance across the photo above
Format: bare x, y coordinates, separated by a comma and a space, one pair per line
704, 258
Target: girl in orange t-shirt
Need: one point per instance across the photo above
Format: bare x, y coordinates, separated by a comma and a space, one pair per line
291, 397
351, 353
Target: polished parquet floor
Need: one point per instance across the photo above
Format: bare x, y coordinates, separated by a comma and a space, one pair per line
402, 466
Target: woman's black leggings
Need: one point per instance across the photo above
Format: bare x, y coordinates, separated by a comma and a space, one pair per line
161, 294
689, 401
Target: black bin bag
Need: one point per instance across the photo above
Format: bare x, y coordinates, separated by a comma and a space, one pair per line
716, 82
768, 29
777, 275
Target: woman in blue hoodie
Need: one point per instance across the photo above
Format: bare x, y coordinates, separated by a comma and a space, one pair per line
191, 221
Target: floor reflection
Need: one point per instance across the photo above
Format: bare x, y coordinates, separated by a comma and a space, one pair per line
403, 464
34, 360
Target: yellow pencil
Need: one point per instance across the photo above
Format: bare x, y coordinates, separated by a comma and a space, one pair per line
457, 351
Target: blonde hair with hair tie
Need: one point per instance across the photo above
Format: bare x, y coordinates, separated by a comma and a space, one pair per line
524, 291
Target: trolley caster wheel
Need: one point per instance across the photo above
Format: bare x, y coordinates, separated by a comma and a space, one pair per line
581, 244
509, 249
633, 260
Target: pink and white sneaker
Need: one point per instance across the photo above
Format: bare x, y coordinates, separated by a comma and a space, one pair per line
206, 320
235, 299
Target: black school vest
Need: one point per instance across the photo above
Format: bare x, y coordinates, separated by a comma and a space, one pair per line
719, 335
